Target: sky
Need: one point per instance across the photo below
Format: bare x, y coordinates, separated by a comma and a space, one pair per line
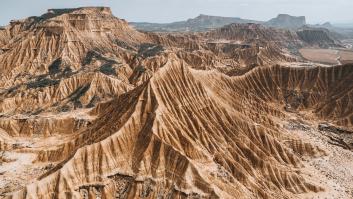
162, 11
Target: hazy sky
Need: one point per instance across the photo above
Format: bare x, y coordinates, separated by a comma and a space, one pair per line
337, 11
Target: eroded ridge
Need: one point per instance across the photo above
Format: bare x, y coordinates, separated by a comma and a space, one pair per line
96, 109
178, 140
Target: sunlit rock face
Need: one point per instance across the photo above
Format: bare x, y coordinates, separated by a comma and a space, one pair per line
91, 108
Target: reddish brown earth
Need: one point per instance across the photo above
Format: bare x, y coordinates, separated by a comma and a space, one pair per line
91, 108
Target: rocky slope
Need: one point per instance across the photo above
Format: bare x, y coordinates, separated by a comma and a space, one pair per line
320, 37
68, 59
190, 133
310, 35
91, 108
64, 57
287, 21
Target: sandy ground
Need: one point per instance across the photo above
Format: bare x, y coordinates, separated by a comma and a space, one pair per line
333, 172
20, 169
346, 56
17, 171
328, 56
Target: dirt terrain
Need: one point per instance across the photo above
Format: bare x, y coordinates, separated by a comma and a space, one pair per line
92, 108
327, 56
346, 56
330, 170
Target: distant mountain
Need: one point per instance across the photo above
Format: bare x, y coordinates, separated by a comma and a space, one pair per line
337, 31
317, 36
286, 21
282, 21
200, 23
207, 22
327, 25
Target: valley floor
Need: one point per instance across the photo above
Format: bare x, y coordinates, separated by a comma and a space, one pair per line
328, 56
333, 172
19, 168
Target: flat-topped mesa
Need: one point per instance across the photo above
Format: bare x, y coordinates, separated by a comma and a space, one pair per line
84, 18
94, 19
62, 33
83, 10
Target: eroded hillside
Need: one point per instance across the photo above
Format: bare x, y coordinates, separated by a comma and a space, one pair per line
91, 108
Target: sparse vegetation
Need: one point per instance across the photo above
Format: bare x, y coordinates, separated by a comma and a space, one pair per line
2, 157
140, 69
149, 50
107, 69
42, 83
91, 55
64, 108
67, 72
106, 111
124, 45
11, 90
95, 99
77, 94
54, 68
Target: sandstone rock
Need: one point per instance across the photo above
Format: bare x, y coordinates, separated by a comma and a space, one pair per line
95, 109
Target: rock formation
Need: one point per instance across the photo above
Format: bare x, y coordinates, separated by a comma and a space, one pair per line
287, 21
320, 37
91, 108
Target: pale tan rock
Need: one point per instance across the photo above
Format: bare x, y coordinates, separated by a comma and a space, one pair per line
99, 110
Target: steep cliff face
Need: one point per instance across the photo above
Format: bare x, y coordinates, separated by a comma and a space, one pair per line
319, 37
251, 33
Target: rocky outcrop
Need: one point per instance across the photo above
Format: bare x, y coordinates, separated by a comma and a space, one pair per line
338, 136
287, 21
96, 109
319, 37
